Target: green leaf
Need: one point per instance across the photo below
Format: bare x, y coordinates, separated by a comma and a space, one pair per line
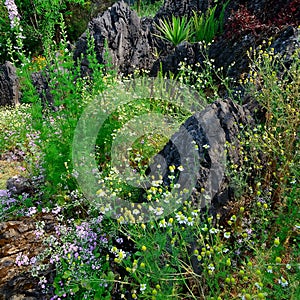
75, 288
85, 283
110, 276
67, 274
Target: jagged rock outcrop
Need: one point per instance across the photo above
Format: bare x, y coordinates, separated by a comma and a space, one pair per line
210, 129
132, 43
80, 15
129, 43
9, 85
227, 52
287, 42
184, 52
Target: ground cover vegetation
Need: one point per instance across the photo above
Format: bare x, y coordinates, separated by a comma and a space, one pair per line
252, 254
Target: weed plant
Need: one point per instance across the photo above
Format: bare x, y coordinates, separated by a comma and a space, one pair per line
209, 81
40, 22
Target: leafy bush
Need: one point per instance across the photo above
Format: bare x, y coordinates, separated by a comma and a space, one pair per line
242, 21
39, 22
71, 94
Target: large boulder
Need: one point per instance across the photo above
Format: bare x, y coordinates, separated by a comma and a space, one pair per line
210, 129
9, 85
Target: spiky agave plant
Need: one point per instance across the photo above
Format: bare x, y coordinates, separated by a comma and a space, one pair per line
175, 30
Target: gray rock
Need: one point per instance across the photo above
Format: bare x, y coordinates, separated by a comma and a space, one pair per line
189, 53
132, 42
216, 124
41, 83
9, 85
225, 52
18, 185
129, 41
287, 43
228, 49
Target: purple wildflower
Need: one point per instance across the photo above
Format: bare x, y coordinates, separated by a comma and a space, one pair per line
13, 13
56, 210
119, 240
22, 260
31, 211
4, 193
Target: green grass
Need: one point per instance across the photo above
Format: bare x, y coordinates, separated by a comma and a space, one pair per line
147, 9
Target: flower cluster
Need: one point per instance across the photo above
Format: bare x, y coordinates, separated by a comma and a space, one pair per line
13, 13
77, 251
6, 202
38, 63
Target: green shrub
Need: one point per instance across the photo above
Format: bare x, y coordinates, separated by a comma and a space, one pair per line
40, 22
70, 95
